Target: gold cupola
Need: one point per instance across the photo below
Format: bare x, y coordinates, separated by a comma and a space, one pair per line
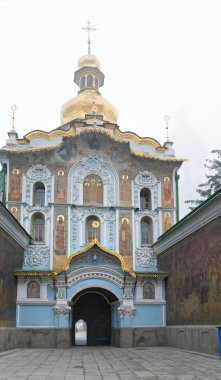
89, 79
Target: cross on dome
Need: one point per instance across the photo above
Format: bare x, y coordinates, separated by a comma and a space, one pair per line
89, 29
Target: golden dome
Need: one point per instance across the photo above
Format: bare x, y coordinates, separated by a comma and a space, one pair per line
85, 103
89, 60
89, 78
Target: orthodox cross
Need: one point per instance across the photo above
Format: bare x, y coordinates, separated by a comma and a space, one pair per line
13, 109
89, 29
167, 119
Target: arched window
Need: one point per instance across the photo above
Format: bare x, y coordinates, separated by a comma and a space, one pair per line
89, 81
37, 230
39, 194
149, 291
146, 231
33, 289
96, 83
82, 83
145, 199
92, 229
93, 190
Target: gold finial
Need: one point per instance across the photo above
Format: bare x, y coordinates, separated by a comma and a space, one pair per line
89, 29
13, 109
166, 118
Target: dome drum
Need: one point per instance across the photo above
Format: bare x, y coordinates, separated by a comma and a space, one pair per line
84, 72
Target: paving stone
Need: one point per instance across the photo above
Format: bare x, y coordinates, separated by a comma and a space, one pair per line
108, 363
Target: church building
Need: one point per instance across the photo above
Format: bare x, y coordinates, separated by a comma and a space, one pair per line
94, 200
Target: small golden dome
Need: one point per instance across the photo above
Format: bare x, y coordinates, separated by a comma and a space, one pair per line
89, 60
85, 103
89, 78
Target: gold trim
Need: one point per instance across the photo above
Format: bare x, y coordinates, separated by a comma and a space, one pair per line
117, 136
103, 248
33, 273
151, 274
155, 157
86, 249
72, 132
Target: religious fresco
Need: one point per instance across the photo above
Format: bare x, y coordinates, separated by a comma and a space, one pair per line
193, 284
167, 192
167, 221
60, 236
93, 190
15, 211
125, 237
125, 189
60, 185
15, 185
33, 289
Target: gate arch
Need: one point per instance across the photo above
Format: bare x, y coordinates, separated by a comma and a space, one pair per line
93, 305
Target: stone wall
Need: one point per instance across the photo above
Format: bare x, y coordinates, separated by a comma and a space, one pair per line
202, 339
11, 338
193, 287
11, 258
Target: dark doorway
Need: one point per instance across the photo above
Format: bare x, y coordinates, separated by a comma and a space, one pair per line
94, 308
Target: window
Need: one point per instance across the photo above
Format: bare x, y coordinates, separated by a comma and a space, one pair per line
82, 83
145, 199
93, 190
89, 81
39, 194
92, 229
33, 289
149, 291
146, 231
96, 83
38, 227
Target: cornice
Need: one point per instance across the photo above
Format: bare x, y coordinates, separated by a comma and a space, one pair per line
190, 224
10, 225
115, 135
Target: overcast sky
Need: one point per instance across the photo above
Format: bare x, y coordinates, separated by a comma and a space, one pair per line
159, 57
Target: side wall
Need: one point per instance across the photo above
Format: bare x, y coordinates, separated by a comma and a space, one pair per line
193, 287
11, 258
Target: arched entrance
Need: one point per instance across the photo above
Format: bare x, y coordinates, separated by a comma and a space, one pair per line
93, 306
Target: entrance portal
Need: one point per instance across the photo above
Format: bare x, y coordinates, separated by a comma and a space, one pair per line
93, 307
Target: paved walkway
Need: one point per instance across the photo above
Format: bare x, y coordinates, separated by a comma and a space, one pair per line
108, 363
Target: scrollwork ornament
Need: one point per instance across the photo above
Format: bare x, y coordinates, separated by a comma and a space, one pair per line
61, 311
145, 257
127, 311
36, 255
39, 172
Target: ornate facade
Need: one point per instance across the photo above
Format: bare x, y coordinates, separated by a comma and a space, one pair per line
94, 200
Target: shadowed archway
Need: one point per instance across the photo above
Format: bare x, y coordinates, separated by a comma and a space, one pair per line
93, 305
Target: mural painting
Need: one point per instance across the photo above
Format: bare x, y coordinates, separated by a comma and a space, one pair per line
60, 237
125, 237
15, 212
125, 189
33, 289
193, 285
167, 221
93, 190
167, 195
15, 185
60, 193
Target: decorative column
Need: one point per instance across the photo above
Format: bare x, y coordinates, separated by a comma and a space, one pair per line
61, 308
127, 310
